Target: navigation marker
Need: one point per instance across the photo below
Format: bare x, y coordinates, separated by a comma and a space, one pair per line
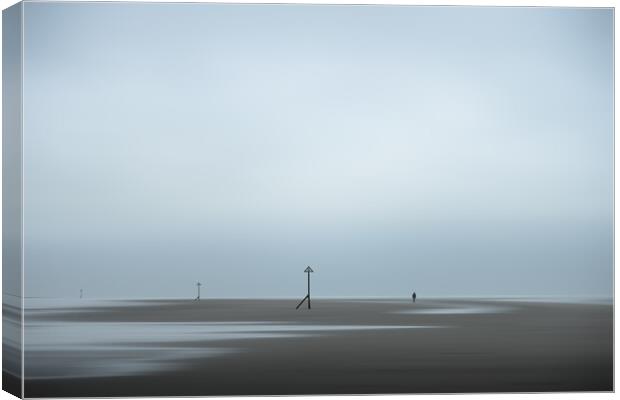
308, 271
198, 285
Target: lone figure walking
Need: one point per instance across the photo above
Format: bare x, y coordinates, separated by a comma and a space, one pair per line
413, 296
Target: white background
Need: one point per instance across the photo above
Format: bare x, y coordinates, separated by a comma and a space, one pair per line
566, 3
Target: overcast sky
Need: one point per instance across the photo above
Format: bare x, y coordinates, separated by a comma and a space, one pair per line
447, 150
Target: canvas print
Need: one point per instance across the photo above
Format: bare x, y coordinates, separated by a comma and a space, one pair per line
297, 199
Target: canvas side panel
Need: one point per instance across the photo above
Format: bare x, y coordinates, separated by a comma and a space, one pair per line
12, 200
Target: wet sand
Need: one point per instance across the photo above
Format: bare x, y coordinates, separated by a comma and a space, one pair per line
343, 347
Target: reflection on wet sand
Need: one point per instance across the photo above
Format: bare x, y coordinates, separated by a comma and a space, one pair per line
126, 348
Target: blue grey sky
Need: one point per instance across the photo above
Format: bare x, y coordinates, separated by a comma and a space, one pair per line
447, 150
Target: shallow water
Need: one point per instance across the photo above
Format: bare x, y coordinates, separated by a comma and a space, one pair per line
97, 335
91, 349
460, 309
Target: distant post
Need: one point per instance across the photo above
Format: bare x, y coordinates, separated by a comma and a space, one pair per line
81, 293
198, 285
308, 271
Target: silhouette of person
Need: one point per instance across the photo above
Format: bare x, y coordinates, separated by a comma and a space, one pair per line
413, 296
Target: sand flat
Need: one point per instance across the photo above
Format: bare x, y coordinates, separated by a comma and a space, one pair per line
236, 347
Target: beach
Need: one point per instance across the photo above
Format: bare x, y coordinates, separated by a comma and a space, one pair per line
341, 346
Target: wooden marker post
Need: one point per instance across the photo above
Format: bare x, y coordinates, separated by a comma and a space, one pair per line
198, 285
308, 271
